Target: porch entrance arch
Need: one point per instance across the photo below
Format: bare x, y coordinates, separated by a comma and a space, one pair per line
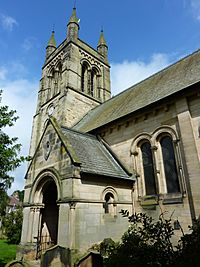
46, 194
49, 214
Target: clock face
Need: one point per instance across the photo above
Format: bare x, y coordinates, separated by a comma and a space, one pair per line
50, 110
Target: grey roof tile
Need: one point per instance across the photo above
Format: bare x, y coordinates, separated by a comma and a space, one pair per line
95, 158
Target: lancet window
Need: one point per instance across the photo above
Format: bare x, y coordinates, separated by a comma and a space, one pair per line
169, 163
148, 168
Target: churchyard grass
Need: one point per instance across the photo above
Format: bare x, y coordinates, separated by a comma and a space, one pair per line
7, 252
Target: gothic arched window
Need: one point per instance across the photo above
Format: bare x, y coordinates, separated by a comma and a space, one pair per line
148, 168
169, 163
109, 203
54, 81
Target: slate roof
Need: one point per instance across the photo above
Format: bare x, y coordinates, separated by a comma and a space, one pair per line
158, 86
93, 155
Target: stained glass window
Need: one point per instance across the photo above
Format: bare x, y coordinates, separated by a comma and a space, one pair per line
149, 176
169, 162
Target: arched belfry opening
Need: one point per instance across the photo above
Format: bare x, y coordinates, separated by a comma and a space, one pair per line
49, 216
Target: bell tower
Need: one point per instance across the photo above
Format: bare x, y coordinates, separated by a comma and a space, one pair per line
75, 79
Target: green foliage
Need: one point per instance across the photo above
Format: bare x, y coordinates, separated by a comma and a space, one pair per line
20, 194
189, 248
9, 148
12, 225
3, 202
9, 154
107, 246
7, 252
146, 243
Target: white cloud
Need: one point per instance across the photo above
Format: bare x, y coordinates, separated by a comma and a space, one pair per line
19, 95
195, 5
29, 43
125, 74
8, 22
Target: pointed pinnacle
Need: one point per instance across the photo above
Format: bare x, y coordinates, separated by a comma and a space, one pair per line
102, 40
73, 17
52, 41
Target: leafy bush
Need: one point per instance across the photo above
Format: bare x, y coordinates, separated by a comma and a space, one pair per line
12, 225
189, 248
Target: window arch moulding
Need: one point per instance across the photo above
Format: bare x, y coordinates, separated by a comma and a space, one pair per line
109, 197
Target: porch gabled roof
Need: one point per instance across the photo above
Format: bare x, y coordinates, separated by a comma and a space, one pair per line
94, 156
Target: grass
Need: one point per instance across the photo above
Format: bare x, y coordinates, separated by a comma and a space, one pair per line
7, 252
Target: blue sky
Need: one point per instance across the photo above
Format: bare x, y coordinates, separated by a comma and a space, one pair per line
143, 37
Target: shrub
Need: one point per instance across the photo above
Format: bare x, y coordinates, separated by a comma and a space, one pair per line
12, 225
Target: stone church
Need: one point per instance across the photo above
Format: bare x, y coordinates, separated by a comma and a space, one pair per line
93, 155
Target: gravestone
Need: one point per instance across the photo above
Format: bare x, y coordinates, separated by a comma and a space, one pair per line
92, 259
16, 263
56, 257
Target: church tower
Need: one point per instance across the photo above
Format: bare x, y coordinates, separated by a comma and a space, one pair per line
71, 181
75, 79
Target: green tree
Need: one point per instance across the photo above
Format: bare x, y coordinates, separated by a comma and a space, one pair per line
20, 194
3, 202
12, 225
9, 152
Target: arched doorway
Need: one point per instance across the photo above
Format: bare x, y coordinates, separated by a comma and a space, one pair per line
49, 217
